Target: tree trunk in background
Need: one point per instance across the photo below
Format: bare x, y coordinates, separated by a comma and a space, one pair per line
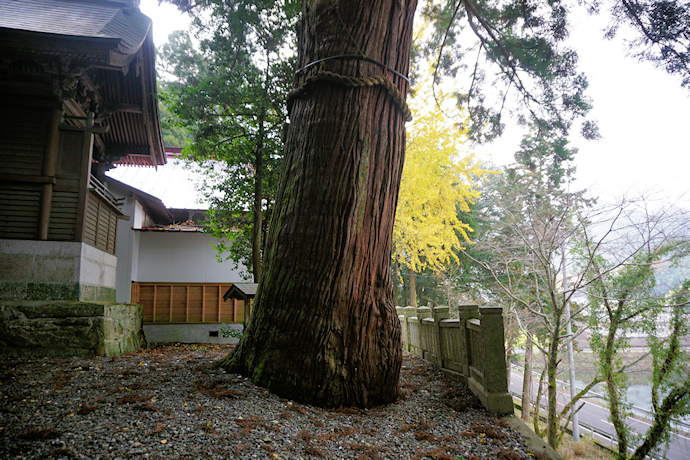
527, 382
617, 413
552, 393
413, 288
258, 202
509, 345
324, 328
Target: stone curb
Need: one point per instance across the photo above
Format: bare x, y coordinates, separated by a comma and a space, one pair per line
535, 443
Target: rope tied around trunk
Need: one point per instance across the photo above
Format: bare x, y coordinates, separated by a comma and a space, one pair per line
355, 82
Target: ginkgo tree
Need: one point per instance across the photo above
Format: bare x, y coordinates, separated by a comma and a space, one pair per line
439, 180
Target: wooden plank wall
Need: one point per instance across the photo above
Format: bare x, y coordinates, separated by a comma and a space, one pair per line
63, 211
23, 135
100, 224
180, 303
20, 205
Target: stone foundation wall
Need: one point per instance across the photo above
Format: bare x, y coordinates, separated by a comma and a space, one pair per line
190, 333
63, 328
55, 270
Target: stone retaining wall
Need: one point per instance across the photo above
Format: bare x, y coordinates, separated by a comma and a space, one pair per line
64, 328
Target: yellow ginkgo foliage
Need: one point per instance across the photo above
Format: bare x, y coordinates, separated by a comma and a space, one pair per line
439, 179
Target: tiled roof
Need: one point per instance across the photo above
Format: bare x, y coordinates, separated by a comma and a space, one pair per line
96, 19
241, 291
187, 226
135, 160
153, 206
145, 160
165, 219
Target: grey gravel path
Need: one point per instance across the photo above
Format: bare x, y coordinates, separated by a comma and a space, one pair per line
169, 402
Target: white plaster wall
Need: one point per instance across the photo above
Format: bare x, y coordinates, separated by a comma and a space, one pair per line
181, 257
126, 251
140, 217
134, 257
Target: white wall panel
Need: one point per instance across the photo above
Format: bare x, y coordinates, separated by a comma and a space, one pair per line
181, 257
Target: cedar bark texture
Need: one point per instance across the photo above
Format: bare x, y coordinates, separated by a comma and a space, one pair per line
324, 328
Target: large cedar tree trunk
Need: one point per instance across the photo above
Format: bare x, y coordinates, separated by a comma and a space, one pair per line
324, 329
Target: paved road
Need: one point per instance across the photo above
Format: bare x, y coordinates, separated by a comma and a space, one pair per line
596, 415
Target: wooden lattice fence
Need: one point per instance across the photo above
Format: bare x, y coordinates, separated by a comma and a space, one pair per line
179, 303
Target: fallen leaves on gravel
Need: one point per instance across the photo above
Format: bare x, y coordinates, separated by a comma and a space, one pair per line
40, 434
174, 402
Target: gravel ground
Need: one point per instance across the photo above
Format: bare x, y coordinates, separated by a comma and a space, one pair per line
170, 402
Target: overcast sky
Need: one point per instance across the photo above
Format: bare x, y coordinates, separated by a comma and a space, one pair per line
642, 112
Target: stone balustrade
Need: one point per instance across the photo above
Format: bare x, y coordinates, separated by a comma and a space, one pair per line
471, 347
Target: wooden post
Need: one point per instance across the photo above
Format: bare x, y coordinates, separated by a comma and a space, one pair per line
85, 175
172, 294
186, 306
134, 293
220, 298
203, 303
49, 166
246, 313
155, 294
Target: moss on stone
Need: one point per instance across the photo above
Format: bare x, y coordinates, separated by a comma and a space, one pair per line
57, 291
92, 293
60, 309
12, 290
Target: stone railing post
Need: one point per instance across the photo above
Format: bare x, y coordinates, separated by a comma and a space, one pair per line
422, 314
495, 375
408, 312
439, 314
466, 312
